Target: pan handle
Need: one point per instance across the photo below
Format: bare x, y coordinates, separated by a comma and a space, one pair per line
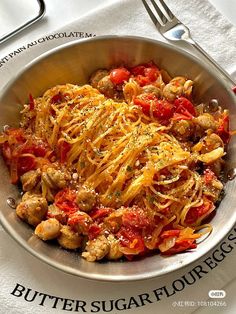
42, 10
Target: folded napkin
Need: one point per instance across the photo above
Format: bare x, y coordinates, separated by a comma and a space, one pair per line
30, 286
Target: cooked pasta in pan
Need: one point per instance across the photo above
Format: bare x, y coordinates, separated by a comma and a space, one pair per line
124, 166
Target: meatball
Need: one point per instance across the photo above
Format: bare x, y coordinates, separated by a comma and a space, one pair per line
147, 89
86, 198
183, 129
106, 87
48, 229
54, 178
32, 209
57, 213
69, 239
29, 194
114, 251
206, 121
96, 249
174, 88
97, 76
212, 141
80, 222
30, 179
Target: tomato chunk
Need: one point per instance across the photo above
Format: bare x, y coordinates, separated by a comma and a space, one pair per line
146, 73
196, 212
66, 200
162, 109
151, 73
136, 218
26, 163
16, 136
93, 231
142, 80
38, 149
170, 233
223, 129
31, 102
144, 101
208, 176
138, 70
184, 106
119, 75
131, 240
181, 245
20, 153
57, 99
64, 148
99, 214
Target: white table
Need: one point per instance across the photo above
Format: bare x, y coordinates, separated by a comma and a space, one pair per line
61, 12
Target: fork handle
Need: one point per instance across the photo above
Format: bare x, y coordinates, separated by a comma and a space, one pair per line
212, 61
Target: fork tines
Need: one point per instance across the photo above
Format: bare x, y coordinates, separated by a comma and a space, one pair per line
163, 12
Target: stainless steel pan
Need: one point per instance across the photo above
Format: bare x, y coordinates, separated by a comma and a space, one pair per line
74, 63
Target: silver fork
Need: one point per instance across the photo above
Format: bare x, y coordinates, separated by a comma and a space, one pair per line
174, 30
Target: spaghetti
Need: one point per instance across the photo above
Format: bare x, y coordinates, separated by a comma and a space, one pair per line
127, 164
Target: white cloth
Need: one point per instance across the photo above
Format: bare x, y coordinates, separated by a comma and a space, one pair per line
217, 36
208, 27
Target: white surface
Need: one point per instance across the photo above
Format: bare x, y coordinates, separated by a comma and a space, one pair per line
58, 13
62, 12
230, 299
34, 274
226, 7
